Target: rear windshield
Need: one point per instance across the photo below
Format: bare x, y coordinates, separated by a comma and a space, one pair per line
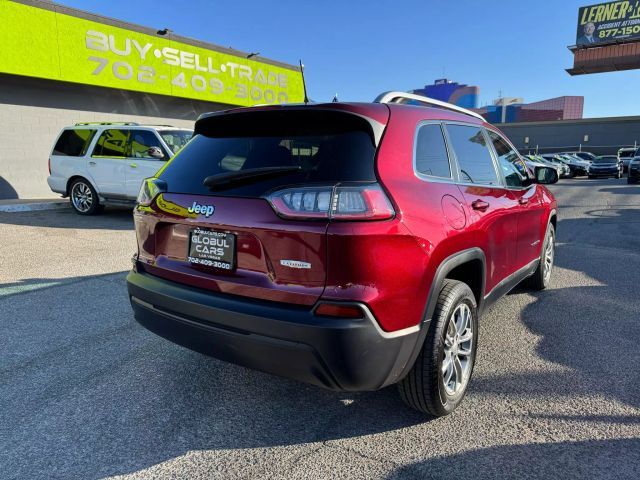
74, 143
328, 147
626, 153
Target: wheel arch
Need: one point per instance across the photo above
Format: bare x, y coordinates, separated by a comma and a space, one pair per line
553, 219
75, 177
455, 267
468, 266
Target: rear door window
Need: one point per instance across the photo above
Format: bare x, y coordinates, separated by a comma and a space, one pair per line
472, 153
112, 143
328, 147
74, 143
431, 152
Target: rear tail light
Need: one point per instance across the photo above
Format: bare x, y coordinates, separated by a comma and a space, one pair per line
364, 202
149, 190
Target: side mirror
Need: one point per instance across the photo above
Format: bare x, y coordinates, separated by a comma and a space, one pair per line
546, 175
155, 152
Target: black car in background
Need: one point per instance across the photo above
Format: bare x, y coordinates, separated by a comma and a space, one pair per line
576, 166
586, 156
606, 166
634, 170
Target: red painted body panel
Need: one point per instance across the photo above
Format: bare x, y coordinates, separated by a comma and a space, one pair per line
387, 265
262, 240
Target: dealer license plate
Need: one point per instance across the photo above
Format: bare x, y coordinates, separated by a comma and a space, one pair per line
212, 248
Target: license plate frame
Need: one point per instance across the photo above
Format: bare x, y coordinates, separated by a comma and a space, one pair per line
212, 248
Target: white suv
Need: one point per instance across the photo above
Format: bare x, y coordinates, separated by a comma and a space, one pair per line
104, 163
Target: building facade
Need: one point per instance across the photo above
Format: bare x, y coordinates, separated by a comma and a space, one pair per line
60, 66
465, 96
515, 110
601, 136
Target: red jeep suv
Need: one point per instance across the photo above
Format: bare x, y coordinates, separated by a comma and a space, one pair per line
348, 245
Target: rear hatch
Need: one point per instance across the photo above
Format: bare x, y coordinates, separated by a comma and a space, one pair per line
244, 207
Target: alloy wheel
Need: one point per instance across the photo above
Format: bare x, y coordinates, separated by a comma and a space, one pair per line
82, 197
549, 253
458, 346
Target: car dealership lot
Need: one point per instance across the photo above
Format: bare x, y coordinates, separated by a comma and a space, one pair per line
85, 392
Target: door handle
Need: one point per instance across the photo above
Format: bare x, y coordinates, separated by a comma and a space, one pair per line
480, 205
133, 165
93, 164
523, 201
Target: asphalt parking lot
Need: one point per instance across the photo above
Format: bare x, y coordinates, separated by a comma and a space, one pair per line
85, 392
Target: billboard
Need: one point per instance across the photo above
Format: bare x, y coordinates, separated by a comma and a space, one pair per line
44, 43
608, 23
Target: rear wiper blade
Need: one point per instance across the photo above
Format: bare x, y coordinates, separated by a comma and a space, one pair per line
223, 180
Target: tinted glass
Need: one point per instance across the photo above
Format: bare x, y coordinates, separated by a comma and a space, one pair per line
626, 153
472, 152
141, 142
606, 160
74, 143
513, 169
328, 148
585, 155
176, 139
112, 143
431, 152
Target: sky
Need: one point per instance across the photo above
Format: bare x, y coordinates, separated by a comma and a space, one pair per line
359, 49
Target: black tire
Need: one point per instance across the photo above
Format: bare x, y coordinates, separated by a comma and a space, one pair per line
424, 387
630, 181
572, 173
84, 198
540, 279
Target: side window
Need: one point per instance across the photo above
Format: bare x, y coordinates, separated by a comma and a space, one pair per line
74, 143
112, 143
143, 143
515, 172
473, 155
431, 152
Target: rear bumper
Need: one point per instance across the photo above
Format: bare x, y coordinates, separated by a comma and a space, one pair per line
57, 184
285, 340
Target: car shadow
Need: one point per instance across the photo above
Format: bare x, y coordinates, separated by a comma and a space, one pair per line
110, 219
595, 459
592, 327
7, 192
629, 190
88, 393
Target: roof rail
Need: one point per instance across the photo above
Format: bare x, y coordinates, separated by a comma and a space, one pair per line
394, 97
79, 124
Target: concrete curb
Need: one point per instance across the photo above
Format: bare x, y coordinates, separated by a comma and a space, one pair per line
33, 206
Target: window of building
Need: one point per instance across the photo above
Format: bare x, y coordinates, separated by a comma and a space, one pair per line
431, 152
473, 155
74, 143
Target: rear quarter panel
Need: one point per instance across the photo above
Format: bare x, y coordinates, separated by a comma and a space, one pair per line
395, 275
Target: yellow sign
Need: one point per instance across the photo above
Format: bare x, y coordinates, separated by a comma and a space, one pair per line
43, 43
